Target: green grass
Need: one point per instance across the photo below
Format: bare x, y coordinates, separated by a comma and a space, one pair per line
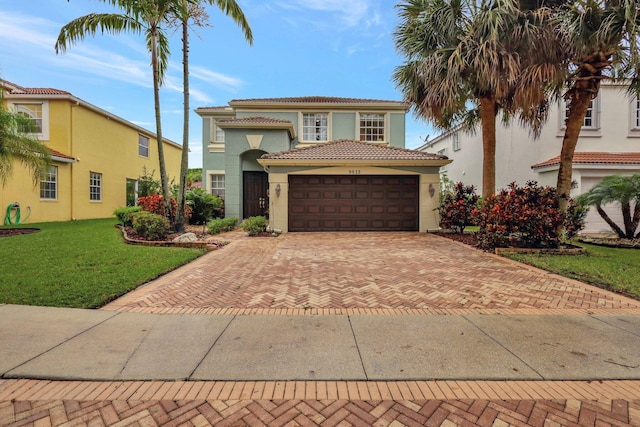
610, 268
81, 264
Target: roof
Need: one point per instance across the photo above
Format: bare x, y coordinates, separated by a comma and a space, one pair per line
61, 157
345, 149
15, 89
313, 100
595, 158
254, 120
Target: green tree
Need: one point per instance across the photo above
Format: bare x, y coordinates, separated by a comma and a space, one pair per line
624, 190
137, 16
600, 40
197, 15
465, 63
18, 144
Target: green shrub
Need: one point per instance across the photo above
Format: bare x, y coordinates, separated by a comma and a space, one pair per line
204, 206
150, 226
457, 205
125, 215
254, 225
220, 225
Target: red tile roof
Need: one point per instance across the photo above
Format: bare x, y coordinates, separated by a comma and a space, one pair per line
255, 120
589, 157
19, 90
344, 149
313, 100
56, 153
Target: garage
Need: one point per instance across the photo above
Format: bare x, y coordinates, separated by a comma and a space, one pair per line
353, 203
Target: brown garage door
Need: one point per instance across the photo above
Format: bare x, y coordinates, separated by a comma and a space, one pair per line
353, 203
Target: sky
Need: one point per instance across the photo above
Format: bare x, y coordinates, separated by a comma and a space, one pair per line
341, 48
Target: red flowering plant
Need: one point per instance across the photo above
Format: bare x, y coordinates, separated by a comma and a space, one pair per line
520, 216
154, 203
457, 206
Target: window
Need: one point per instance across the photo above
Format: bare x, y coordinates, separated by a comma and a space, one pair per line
590, 119
635, 107
95, 186
372, 127
132, 192
315, 127
217, 185
34, 112
49, 184
143, 146
456, 142
218, 135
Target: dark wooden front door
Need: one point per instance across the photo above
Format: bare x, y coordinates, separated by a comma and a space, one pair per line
353, 203
255, 194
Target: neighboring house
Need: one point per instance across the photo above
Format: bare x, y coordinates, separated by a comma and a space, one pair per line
319, 164
609, 144
97, 158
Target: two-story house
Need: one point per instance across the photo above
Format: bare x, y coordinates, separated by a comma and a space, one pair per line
319, 164
609, 144
97, 157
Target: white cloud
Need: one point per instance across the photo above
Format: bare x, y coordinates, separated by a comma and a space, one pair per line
213, 78
350, 13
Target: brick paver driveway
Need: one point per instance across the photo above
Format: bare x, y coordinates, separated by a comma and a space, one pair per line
360, 271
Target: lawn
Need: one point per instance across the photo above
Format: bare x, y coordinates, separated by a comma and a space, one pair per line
610, 268
81, 264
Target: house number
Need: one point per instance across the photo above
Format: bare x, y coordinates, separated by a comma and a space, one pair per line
354, 171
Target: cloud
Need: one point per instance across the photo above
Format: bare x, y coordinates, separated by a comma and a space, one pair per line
229, 83
349, 13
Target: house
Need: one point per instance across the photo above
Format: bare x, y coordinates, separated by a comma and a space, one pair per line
319, 164
609, 144
97, 158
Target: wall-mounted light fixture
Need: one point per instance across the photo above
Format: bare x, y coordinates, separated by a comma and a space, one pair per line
432, 190
278, 189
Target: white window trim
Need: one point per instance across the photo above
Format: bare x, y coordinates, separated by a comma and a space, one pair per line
99, 186
213, 134
210, 173
634, 117
585, 131
301, 126
44, 135
456, 145
57, 184
385, 114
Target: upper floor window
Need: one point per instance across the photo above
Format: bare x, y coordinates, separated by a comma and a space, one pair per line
456, 142
143, 146
217, 185
635, 113
590, 118
372, 127
38, 113
315, 127
218, 134
49, 184
95, 186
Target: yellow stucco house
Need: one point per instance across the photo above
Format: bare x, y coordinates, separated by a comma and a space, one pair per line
97, 158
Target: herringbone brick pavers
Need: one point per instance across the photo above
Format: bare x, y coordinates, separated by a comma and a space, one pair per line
361, 271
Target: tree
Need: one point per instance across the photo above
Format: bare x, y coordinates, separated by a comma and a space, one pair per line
197, 14
18, 144
464, 63
617, 189
602, 43
137, 16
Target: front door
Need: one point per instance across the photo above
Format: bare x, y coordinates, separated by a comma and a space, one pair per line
256, 190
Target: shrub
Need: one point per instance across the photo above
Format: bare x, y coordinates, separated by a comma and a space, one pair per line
220, 225
125, 215
154, 204
254, 225
203, 205
150, 226
520, 216
457, 205
574, 221
147, 184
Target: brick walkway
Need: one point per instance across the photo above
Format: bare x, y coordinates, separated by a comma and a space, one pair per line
343, 272
336, 273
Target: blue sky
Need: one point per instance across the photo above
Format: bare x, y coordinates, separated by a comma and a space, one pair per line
301, 48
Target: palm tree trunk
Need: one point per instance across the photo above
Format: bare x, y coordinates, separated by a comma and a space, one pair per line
578, 106
488, 119
156, 98
609, 221
184, 164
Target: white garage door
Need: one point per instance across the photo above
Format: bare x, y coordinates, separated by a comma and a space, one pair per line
594, 222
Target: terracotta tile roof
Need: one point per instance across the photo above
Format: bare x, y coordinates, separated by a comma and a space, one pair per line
345, 149
313, 100
255, 120
19, 90
589, 157
56, 153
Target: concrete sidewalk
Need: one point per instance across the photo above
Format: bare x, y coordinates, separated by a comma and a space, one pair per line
55, 343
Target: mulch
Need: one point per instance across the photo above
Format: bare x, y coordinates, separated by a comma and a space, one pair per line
6, 232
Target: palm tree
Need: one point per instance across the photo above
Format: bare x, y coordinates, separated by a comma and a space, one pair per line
464, 64
197, 14
617, 189
18, 143
137, 16
602, 44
